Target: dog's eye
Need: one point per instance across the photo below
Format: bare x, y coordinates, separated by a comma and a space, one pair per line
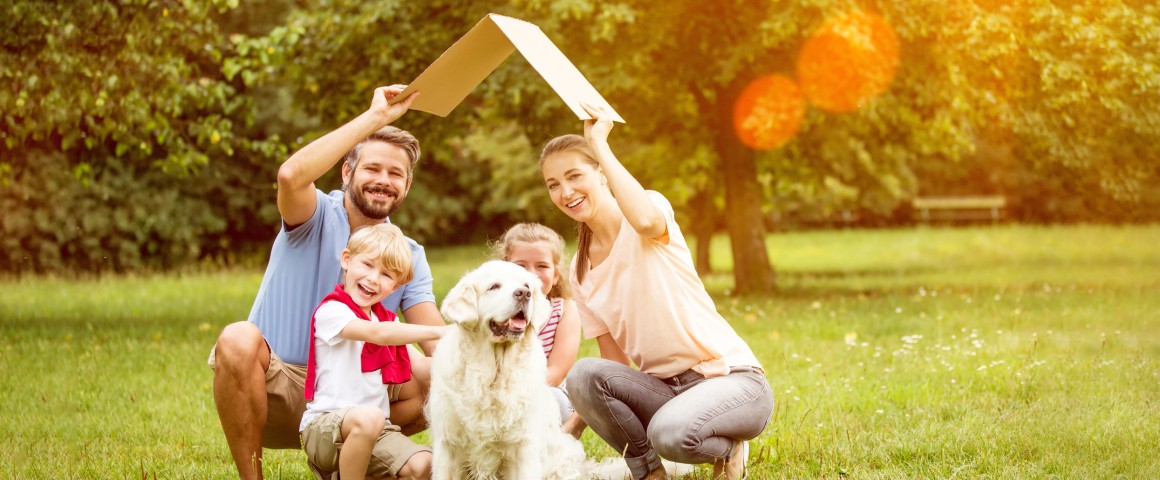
494, 286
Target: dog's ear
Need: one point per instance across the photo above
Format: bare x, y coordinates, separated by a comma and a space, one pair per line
461, 304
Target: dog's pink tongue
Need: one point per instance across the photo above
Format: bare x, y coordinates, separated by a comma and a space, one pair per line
518, 323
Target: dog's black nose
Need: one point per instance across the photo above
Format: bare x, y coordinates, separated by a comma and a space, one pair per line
522, 293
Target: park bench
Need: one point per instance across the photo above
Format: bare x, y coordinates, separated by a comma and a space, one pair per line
976, 207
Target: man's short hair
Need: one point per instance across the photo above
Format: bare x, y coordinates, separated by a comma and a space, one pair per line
394, 136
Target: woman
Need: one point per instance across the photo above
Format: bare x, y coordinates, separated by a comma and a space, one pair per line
699, 393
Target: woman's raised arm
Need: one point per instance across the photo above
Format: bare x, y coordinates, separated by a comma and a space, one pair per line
645, 218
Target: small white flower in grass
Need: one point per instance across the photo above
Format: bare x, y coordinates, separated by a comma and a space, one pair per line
898, 310
981, 367
998, 297
879, 412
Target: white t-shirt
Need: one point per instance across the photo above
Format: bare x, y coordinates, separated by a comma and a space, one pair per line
339, 379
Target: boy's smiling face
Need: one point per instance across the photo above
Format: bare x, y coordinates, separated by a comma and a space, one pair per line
365, 280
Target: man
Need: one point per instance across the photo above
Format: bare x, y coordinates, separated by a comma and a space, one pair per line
259, 364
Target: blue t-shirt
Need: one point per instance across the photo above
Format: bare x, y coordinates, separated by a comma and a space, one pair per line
304, 267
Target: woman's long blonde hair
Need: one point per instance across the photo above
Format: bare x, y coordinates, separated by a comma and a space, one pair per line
529, 233
577, 144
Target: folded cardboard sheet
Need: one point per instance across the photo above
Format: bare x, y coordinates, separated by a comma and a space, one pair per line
447, 81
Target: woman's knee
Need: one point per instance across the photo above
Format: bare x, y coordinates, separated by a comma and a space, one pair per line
585, 371
670, 436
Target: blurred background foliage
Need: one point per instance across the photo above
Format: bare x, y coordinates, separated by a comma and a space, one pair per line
145, 134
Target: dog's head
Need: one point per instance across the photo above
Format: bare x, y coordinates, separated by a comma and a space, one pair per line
499, 298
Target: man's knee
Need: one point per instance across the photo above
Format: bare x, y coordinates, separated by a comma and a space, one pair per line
239, 344
418, 466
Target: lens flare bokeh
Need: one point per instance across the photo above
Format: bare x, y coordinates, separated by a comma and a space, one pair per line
848, 61
769, 112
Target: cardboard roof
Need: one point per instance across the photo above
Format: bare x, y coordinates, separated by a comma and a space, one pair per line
447, 81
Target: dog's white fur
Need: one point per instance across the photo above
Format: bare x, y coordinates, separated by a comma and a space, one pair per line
491, 413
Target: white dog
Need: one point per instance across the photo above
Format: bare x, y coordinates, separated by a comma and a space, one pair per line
491, 413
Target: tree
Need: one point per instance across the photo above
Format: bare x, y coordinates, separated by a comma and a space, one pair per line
111, 114
1067, 88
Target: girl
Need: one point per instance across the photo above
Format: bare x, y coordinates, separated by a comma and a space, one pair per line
540, 250
700, 392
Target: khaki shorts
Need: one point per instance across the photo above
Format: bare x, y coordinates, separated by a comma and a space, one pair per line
286, 400
322, 441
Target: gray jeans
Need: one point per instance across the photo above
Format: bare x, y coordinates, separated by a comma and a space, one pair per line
686, 418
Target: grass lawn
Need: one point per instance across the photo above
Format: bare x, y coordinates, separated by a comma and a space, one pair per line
990, 352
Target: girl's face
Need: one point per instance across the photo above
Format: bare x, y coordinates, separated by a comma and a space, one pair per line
576, 186
536, 258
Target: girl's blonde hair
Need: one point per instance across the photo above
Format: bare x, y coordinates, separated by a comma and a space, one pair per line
388, 245
575, 143
536, 233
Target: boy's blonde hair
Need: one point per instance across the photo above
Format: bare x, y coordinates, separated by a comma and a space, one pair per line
535, 233
389, 247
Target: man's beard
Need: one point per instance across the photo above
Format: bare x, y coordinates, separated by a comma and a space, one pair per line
358, 196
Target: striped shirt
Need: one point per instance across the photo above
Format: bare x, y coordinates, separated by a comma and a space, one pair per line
548, 333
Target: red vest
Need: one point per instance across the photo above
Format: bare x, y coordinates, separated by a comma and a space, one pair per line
393, 360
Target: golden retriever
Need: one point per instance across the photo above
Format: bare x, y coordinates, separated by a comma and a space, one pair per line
491, 413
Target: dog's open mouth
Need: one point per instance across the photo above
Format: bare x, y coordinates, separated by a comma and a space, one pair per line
512, 327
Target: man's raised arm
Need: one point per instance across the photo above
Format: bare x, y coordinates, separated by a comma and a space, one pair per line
296, 191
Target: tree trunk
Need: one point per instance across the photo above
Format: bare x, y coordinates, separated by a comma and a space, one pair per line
703, 226
752, 271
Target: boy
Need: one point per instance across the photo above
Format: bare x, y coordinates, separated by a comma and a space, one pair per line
357, 347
